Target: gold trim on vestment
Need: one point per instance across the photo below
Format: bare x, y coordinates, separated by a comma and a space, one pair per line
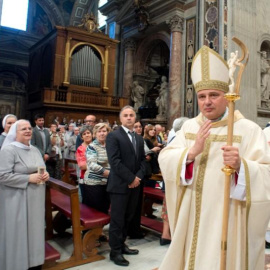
214, 138
183, 189
179, 167
248, 204
199, 186
223, 122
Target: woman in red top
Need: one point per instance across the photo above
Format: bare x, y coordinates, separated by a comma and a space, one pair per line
86, 134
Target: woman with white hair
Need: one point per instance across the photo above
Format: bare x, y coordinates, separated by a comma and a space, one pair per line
7, 122
22, 200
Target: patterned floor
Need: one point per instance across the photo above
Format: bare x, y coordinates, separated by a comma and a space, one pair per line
150, 256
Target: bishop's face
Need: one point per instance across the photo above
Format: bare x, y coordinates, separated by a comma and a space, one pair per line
212, 103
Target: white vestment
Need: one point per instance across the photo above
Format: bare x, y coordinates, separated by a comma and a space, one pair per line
195, 210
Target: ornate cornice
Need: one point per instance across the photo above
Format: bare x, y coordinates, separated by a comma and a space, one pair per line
129, 44
176, 24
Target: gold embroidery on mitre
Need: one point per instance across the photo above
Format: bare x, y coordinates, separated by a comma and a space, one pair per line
211, 84
207, 83
205, 68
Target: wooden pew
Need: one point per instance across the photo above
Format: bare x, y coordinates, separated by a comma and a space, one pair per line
156, 195
152, 194
51, 256
64, 197
70, 175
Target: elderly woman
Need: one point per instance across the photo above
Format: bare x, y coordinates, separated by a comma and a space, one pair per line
22, 200
87, 136
98, 169
7, 122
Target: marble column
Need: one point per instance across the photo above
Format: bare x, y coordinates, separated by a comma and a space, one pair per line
174, 97
130, 47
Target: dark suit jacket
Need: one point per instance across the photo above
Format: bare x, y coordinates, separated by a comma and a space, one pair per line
37, 141
159, 139
125, 164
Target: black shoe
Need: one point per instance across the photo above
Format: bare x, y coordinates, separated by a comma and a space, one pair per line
118, 259
267, 244
126, 250
137, 235
103, 238
164, 241
151, 216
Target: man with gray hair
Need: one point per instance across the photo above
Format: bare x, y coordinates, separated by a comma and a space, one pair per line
177, 124
125, 150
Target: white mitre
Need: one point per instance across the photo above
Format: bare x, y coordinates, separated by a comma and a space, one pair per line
209, 71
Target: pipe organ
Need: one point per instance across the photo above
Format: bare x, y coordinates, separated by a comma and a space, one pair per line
86, 67
81, 60
72, 72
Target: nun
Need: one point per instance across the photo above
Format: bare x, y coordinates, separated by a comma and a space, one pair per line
7, 122
22, 199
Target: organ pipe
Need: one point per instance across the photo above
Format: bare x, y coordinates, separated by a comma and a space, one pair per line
86, 68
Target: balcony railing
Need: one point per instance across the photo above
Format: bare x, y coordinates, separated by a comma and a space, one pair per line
80, 98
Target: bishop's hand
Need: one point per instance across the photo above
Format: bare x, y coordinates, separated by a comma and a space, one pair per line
202, 135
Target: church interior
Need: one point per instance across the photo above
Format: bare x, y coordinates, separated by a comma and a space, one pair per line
139, 42
81, 57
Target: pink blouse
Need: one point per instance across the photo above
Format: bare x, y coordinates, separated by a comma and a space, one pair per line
81, 158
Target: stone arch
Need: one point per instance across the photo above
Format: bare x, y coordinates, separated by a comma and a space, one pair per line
52, 11
145, 48
87, 44
21, 73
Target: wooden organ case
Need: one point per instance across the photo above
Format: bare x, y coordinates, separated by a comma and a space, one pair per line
72, 74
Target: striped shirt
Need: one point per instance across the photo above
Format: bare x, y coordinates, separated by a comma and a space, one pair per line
97, 163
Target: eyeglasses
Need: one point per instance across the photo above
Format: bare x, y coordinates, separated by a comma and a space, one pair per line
25, 129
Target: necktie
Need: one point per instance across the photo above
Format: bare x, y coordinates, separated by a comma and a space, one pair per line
133, 140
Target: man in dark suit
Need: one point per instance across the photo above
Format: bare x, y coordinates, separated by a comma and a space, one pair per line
125, 150
41, 137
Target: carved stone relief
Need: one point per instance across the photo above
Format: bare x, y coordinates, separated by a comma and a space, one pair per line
265, 79
176, 23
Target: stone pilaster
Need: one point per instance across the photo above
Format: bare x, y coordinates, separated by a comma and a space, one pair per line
174, 97
130, 47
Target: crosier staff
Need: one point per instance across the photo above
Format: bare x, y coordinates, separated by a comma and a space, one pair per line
231, 96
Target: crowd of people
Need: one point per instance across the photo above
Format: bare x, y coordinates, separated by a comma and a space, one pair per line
115, 165
87, 144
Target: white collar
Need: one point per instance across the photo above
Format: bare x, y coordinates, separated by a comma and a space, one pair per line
40, 128
21, 145
126, 129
